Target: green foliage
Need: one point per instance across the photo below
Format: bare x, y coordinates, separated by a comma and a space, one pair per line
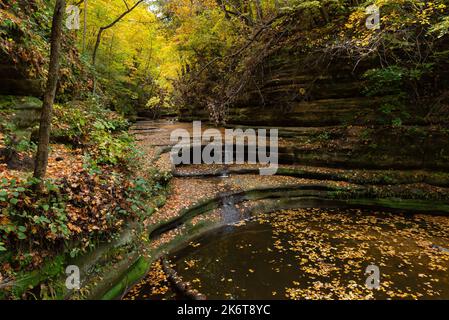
158, 104
27, 217
24, 42
105, 184
17, 139
138, 194
26, 280
90, 125
385, 81
135, 59
111, 149
301, 4
153, 102
365, 134
75, 122
397, 87
441, 28
23, 35
323, 136
49, 220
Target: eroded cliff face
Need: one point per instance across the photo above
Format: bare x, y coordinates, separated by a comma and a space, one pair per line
288, 91
14, 81
24, 51
23, 39
325, 118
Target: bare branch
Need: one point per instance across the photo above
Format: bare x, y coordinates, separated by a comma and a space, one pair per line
253, 38
110, 25
127, 7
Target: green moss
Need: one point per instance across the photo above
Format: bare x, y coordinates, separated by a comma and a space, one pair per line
404, 204
137, 271
28, 280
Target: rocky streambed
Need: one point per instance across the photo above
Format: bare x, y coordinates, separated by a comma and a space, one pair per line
308, 232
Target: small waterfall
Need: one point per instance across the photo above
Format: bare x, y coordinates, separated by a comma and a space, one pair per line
224, 173
229, 211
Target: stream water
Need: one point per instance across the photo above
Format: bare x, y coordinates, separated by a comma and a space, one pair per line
318, 254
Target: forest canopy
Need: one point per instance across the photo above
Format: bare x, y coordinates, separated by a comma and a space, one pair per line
206, 53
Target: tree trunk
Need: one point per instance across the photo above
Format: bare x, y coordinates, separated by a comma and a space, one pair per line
40, 167
97, 44
84, 26
325, 14
277, 6
248, 10
259, 10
